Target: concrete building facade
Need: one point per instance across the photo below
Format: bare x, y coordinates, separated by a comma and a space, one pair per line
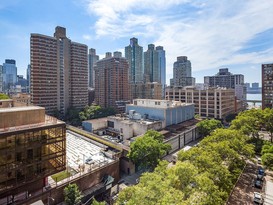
224, 79
167, 111
267, 85
146, 90
182, 75
32, 147
92, 59
212, 102
111, 82
59, 72
127, 127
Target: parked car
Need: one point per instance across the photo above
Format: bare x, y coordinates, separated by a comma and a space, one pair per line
261, 171
260, 176
258, 198
258, 183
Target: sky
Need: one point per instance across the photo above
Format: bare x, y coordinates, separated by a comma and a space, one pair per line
236, 34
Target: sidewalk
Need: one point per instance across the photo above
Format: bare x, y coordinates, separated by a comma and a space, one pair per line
268, 200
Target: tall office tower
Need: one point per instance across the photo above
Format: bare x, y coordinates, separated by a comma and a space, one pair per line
1, 79
92, 59
155, 66
134, 55
9, 73
267, 85
182, 72
111, 82
151, 69
224, 79
59, 72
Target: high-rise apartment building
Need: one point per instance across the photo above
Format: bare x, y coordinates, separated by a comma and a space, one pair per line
32, 147
224, 79
267, 85
92, 59
155, 66
134, 55
111, 81
59, 72
182, 75
9, 74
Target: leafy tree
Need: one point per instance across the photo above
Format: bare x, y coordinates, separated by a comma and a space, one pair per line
249, 122
4, 96
268, 121
95, 202
267, 160
148, 149
95, 111
205, 127
72, 195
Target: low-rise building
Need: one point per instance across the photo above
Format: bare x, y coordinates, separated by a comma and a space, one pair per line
168, 111
32, 147
128, 127
95, 124
210, 102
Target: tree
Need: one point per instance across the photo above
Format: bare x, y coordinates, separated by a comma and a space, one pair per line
95, 111
95, 202
205, 127
267, 160
72, 195
249, 122
3, 96
268, 121
148, 149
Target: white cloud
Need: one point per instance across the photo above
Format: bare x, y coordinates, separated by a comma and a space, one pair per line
87, 37
211, 33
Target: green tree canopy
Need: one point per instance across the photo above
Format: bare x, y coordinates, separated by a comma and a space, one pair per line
268, 121
249, 122
267, 160
72, 195
205, 127
95, 111
4, 96
148, 149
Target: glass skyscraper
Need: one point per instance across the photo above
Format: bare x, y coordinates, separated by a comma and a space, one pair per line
134, 55
155, 66
9, 74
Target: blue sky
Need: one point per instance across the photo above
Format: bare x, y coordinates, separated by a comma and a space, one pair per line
237, 34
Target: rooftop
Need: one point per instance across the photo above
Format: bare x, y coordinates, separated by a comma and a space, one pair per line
16, 109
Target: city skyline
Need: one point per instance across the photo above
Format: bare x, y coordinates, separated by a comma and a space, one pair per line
233, 34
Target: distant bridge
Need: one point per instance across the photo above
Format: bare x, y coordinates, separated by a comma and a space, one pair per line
254, 101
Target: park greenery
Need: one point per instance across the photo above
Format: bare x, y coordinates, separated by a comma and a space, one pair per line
72, 194
3, 96
75, 116
95, 111
205, 127
203, 175
148, 149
